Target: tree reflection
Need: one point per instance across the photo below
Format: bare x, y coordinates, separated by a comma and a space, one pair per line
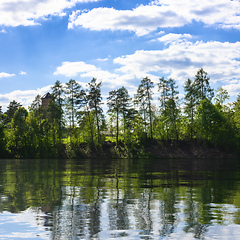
193, 221
168, 212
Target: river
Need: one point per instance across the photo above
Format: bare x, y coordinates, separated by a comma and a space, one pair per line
120, 199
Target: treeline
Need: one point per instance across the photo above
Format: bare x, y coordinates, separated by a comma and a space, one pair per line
74, 117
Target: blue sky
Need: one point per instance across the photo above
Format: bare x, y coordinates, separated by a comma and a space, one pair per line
119, 42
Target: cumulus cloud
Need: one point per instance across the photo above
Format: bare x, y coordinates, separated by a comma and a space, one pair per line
82, 69
181, 60
160, 14
72, 69
141, 20
28, 12
6, 75
233, 88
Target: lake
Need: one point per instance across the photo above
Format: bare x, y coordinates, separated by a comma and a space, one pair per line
120, 199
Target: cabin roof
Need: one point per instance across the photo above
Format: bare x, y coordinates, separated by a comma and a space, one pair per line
46, 96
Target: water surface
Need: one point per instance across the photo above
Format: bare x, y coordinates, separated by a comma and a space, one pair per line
120, 199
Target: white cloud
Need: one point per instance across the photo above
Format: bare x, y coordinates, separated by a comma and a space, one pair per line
181, 60
173, 37
102, 59
3, 31
72, 69
6, 75
22, 73
28, 12
141, 20
160, 14
233, 89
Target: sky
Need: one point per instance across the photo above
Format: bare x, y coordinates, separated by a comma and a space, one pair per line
119, 42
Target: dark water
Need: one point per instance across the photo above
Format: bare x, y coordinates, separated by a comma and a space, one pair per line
120, 199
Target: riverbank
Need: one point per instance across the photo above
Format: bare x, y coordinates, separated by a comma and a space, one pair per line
153, 149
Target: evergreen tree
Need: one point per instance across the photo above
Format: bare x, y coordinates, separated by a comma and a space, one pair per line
36, 105
236, 110
74, 100
143, 99
1, 115
16, 133
202, 86
57, 93
221, 97
190, 105
55, 107
2, 137
169, 105
163, 88
94, 100
114, 108
118, 103
11, 109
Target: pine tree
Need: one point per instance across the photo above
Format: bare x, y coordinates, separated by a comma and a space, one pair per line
118, 103
169, 105
202, 86
11, 109
74, 98
143, 99
94, 100
190, 104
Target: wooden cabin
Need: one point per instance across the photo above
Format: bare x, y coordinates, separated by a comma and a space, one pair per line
46, 99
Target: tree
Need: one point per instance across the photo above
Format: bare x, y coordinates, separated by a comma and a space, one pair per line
213, 126
55, 107
57, 93
74, 98
36, 105
221, 97
1, 116
118, 103
125, 105
202, 86
94, 100
163, 89
143, 99
190, 105
2, 137
169, 105
236, 110
17, 133
11, 109
114, 108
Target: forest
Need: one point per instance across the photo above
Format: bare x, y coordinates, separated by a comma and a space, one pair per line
73, 124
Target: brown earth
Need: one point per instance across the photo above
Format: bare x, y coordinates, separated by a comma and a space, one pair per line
156, 149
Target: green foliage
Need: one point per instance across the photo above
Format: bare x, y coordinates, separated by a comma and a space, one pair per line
94, 102
75, 99
2, 136
16, 134
169, 108
190, 108
118, 104
213, 126
202, 87
12, 108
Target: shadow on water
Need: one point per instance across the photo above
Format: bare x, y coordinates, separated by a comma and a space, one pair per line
125, 198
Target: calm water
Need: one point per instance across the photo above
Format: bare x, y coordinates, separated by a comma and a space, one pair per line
120, 199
